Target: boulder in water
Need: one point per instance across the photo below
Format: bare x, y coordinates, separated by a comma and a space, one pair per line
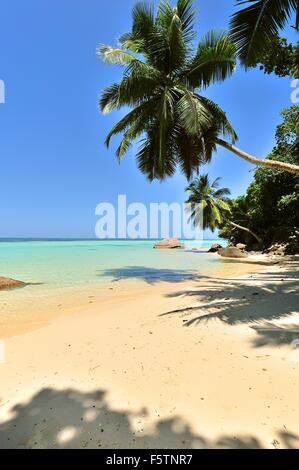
168, 243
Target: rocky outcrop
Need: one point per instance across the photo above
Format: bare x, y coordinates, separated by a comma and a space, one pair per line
215, 248
288, 246
7, 283
168, 243
241, 246
231, 252
277, 249
286, 243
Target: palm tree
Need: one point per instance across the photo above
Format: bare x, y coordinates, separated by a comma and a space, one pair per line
255, 26
177, 126
213, 203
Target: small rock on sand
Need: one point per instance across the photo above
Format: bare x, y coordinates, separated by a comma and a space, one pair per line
7, 283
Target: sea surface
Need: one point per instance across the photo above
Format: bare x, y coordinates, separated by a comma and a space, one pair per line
52, 264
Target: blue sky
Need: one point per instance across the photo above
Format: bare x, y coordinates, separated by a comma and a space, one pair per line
54, 166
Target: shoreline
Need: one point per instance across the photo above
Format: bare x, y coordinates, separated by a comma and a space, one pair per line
36, 310
203, 363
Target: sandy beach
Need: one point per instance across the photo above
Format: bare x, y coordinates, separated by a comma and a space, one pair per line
203, 363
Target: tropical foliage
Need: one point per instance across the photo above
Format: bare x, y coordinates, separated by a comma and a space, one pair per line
281, 58
210, 206
176, 125
270, 206
256, 26
212, 201
162, 79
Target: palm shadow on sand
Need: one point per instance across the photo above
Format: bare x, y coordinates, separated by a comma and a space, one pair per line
73, 419
150, 275
235, 301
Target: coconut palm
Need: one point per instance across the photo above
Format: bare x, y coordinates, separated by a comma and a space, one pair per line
210, 205
177, 126
255, 26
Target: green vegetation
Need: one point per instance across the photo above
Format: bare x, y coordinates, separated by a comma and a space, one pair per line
163, 75
270, 206
213, 202
255, 27
211, 205
179, 128
281, 58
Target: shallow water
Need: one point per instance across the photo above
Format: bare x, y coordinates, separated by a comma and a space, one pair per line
59, 264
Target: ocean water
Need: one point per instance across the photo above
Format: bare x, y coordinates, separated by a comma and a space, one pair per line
58, 264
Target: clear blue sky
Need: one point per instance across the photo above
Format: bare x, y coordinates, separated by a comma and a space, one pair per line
54, 166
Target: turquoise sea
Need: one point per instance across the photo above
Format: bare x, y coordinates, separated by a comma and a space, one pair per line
69, 263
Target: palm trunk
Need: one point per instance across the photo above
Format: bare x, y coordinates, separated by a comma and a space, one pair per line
272, 164
245, 230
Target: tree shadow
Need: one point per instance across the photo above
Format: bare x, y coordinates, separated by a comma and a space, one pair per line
150, 275
234, 301
154, 275
270, 334
73, 419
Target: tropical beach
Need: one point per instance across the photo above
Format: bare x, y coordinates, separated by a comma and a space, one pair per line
198, 363
63, 276
150, 301
161, 359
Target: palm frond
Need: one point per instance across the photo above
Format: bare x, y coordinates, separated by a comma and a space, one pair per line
253, 27
143, 20
131, 43
145, 29
148, 155
215, 183
179, 128
214, 206
220, 120
214, 61
186, 12
112, 55
144, 111
138, 84
164, 121
194, 115
170, 26
221, 193
109, 99
223, 206
190, 155
138, 126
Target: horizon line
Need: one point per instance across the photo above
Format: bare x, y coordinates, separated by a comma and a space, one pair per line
95, 239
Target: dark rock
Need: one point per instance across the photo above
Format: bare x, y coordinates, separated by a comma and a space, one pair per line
215, 248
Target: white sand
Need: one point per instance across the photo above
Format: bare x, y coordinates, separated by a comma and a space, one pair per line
204, 363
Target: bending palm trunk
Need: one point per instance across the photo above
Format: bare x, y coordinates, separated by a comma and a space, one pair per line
245, 230
163, 79
272, 164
